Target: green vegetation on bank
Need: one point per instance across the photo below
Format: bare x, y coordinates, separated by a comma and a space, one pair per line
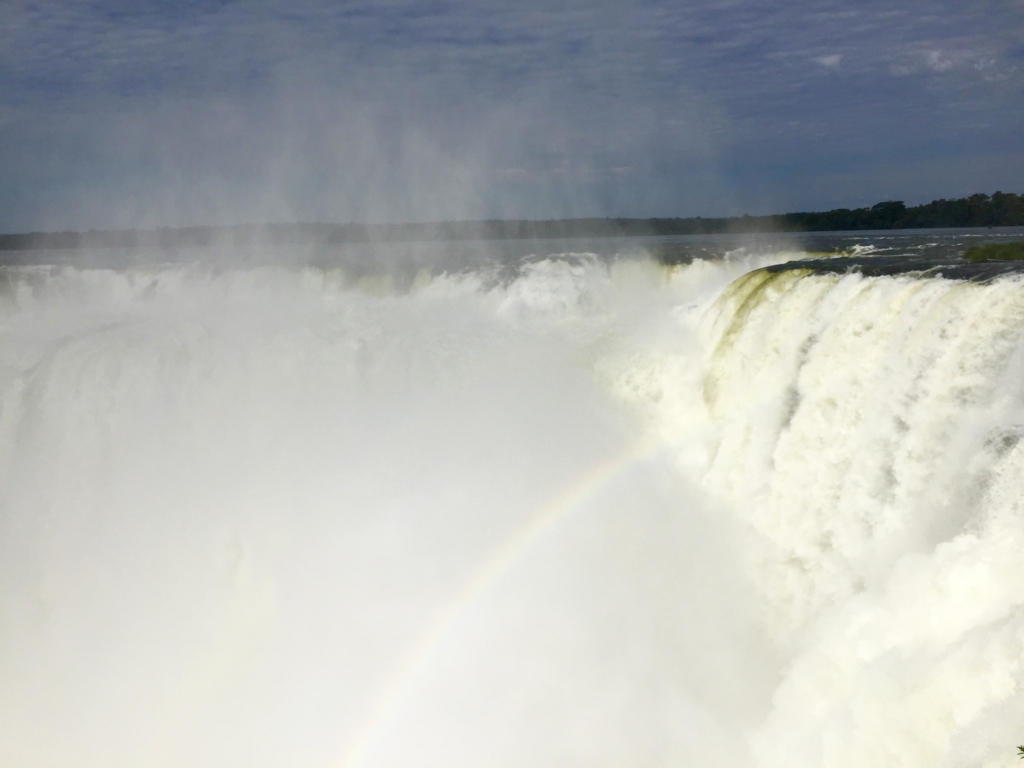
995, 252
999, 210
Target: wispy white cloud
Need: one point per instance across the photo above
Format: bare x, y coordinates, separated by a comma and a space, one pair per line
937, 62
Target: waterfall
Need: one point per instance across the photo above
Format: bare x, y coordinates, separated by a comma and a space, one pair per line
579, 511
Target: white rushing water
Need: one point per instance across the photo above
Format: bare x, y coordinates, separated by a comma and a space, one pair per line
602, 514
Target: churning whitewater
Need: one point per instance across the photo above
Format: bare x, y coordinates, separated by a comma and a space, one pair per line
583, 512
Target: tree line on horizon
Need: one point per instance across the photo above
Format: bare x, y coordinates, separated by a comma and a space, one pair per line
998, 210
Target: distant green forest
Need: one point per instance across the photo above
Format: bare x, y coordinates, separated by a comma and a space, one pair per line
1002, 209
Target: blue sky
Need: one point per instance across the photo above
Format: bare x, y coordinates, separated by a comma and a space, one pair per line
117, 114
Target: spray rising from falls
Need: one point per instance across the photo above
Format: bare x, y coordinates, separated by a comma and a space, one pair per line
600, 513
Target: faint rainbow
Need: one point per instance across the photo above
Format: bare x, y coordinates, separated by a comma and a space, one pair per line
548, 515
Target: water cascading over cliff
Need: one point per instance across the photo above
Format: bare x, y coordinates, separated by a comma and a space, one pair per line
592, 512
